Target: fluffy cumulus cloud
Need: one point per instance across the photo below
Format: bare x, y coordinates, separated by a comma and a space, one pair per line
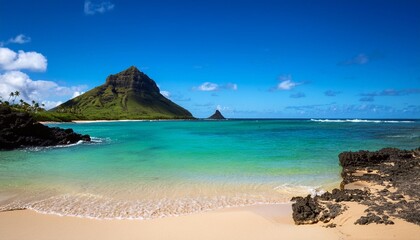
39, 90
11, 60
93, 7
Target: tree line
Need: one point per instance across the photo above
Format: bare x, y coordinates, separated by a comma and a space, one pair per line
33, 107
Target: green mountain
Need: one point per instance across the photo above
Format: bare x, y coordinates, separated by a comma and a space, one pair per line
129, 94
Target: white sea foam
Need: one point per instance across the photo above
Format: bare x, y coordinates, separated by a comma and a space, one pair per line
359, 121
293, 190
410, 136
100, 207
94, 140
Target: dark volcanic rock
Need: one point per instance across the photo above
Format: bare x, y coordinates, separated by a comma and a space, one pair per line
306, 210
337, 195
309, 210
217, 116
19, 129
372, 218
366, 158
396, 176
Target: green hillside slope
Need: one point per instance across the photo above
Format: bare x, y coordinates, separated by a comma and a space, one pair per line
129, 94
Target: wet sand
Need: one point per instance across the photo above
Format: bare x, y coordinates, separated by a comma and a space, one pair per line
255, 222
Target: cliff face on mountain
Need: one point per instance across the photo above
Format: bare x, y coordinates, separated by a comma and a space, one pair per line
130, 94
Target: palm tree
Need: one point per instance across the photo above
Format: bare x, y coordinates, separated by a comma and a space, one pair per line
33, 105
17, 94
12, 94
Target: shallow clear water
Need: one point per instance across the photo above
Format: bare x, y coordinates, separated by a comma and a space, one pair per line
147, 169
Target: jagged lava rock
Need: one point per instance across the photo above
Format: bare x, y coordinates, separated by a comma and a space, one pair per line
19, 129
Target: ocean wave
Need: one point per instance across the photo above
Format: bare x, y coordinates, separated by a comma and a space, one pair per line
99, 140
293, 190
100, 207
94, 140
410, 136
359, 121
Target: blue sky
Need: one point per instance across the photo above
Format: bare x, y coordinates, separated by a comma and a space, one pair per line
280, 59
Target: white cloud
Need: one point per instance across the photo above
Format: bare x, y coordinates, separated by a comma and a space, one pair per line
165, 94
10, 60
286, 83
224, 109
91, 8
51, 104
20, 39
208, 86
39, 90
76, 94
221, 108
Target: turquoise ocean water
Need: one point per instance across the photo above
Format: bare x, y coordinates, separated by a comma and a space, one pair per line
147, 169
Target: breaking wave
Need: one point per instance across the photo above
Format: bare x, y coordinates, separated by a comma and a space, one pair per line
359, 121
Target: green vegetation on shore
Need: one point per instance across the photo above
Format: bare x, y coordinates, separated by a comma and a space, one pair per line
129, 94
35, 109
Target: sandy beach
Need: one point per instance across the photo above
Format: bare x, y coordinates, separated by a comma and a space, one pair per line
269, 221
255, 222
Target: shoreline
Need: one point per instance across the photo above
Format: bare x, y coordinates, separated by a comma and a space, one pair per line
272, 221
320, 120
121, 120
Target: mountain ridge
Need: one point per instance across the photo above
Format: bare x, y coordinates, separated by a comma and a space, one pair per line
129, 94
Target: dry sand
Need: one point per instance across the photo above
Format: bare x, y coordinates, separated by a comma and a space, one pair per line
255, 222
